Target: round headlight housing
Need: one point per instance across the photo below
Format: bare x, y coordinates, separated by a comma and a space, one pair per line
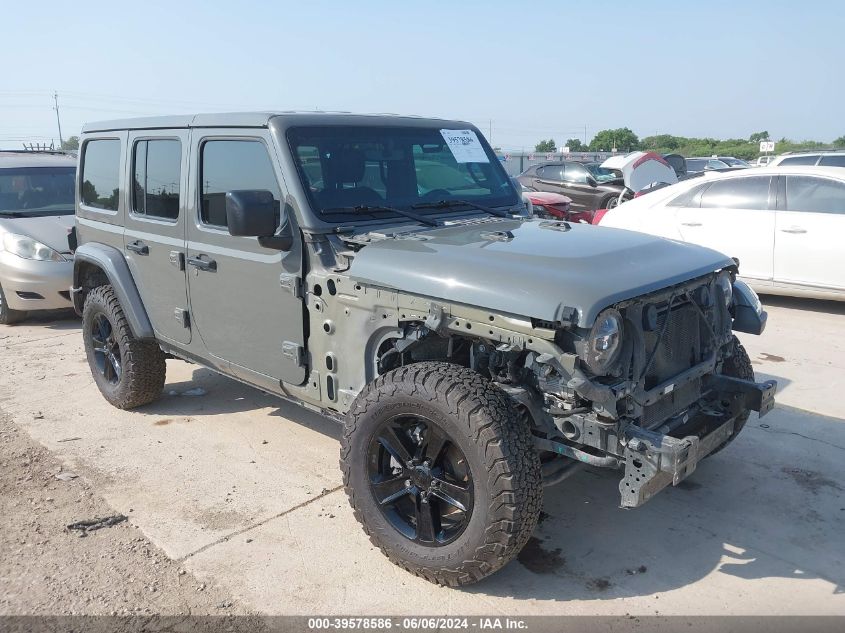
726, 286
604, 343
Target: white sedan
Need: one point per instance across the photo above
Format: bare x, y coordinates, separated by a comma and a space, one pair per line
786, 225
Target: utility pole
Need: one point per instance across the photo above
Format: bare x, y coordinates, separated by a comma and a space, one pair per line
58, 120
585, 134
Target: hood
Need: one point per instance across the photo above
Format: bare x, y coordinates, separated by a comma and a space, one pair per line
641, 169
51, 230
533, 268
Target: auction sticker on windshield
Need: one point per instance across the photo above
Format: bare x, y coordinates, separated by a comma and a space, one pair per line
465, 146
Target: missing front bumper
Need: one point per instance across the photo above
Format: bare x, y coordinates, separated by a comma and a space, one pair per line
654, 460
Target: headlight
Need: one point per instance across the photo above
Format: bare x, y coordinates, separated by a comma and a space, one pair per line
724, 283
604, 342
28, 248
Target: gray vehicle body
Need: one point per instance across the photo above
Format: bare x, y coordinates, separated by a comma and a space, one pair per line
31, 284
318, 319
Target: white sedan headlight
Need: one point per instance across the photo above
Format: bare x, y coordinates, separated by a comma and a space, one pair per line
28, 248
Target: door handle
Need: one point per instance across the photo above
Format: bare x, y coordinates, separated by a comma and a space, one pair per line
208, 265
138, 247
690, 223
794, 229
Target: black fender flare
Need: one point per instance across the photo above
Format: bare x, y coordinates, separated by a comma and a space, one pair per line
113, 264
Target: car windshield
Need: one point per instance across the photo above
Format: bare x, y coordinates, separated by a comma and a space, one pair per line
33, 191
373, 168
734, 162
603, 174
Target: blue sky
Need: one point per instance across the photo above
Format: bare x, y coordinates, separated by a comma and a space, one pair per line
538, 69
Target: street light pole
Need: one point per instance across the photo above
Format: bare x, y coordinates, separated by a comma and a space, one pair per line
58, 120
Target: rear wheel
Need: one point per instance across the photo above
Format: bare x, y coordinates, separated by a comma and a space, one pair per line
128, 372
738, 365
7, 315
441, 472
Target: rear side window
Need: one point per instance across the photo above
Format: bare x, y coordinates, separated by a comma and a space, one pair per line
157, 171
101, 174
799, 160
815, 195
690, 198
737, 193
232, 166
551, 172
834, 160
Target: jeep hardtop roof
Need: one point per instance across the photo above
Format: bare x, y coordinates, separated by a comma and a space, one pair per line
262, 119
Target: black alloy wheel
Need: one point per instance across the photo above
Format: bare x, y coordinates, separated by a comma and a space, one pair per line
421, 480
106, 349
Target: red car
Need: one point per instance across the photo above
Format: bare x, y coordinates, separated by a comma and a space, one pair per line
554, 206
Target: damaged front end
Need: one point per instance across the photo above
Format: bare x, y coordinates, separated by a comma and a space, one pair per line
651, 388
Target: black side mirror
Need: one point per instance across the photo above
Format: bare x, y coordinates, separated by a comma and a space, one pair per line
592, 181
252, 213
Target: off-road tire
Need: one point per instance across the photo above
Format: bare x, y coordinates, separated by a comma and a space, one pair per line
738, 365
143, 363
7, 315
481, 420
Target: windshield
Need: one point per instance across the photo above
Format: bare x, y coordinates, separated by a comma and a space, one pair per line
342, 167
31, 191
603, 174
734, 162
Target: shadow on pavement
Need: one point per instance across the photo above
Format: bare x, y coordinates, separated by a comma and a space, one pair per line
772, 505
801, 303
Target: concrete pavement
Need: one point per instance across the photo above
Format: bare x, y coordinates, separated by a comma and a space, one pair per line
244, 489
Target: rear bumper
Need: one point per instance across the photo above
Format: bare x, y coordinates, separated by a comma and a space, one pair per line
654, 460
35, 285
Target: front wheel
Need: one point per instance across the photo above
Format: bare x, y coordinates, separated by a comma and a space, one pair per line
441, 472
129, 372
7, 315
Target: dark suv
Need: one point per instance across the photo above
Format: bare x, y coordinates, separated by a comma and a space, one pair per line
383, 271
577, 182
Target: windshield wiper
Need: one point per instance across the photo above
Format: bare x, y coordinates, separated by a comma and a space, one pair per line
13, 214
367, 208
446, 204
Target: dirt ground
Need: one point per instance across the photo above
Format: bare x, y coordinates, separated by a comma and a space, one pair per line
47, 568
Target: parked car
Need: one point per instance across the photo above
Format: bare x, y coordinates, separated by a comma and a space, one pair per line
574, 181
762, 161
698, 164
834, 158
36, 214
472, 354
784, 224
553, 206
731, 161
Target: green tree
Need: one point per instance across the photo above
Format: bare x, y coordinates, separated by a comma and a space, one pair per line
545, 146
71, 143
575, 145
662, 143
758, 136
839, 142
623, 139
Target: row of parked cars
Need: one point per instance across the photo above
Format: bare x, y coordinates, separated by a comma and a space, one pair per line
385, 272
783, 222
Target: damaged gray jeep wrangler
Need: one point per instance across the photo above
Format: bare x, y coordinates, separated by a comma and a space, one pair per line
384, 271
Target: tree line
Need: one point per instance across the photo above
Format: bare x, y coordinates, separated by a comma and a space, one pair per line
624, 140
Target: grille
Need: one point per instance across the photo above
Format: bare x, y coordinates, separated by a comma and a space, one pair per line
678, 349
